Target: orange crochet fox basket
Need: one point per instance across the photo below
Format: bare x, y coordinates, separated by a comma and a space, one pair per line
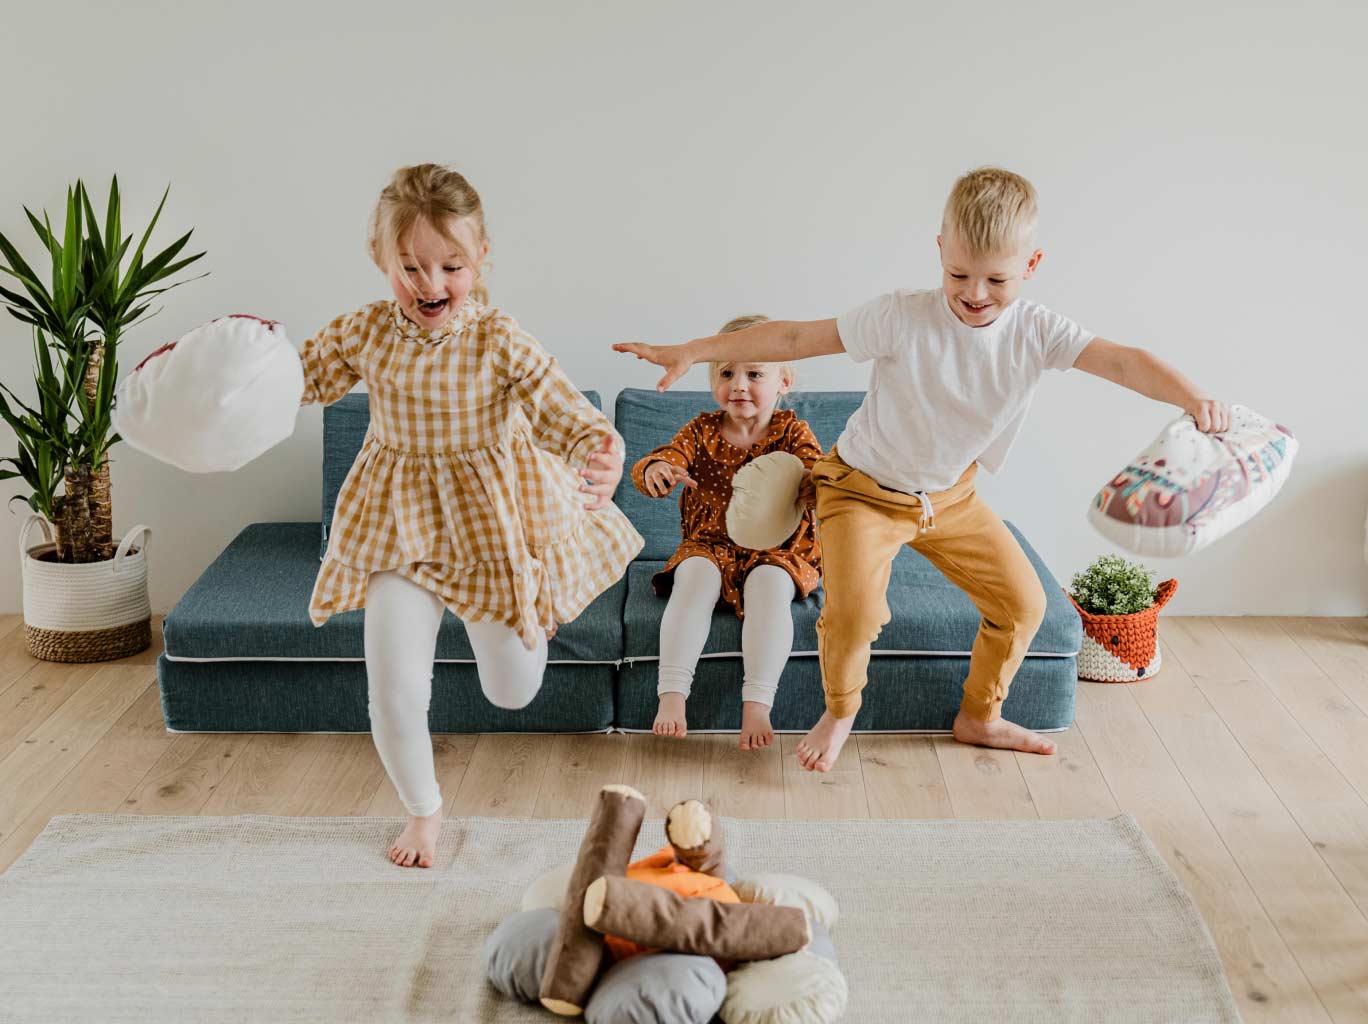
1122, 648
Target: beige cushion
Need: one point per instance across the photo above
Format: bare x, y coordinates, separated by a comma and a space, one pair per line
764, 510
800, 988
549, 889
790, 891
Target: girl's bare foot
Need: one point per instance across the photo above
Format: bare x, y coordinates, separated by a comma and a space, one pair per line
755, 725
417, 844
818, 750
669, 720
1000, 733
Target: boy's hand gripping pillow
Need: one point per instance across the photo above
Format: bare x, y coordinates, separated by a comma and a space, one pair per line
1188, 488
764, 510
216, 399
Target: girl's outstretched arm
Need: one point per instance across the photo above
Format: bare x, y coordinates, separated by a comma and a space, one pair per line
1148, 375
776, 341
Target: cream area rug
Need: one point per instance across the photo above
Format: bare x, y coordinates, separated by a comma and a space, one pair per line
255, 918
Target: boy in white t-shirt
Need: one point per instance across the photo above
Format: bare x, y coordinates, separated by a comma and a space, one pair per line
953, 373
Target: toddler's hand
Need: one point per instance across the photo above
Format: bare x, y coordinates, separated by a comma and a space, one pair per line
807, 491
602, 475
662, 476
1212, 417
675, 358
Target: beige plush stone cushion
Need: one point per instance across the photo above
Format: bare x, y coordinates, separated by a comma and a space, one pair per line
764, 509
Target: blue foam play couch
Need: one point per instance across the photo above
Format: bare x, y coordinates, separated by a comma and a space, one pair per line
241, 654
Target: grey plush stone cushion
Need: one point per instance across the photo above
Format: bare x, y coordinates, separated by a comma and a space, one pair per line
517, 950
661, 988
658, 988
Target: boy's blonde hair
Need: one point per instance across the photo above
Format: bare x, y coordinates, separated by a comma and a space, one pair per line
740, 323
437, 196
992, 211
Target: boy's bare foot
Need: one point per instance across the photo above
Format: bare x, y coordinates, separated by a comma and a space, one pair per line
755, 725
417, 844
818, 750
669, 720
1000, 733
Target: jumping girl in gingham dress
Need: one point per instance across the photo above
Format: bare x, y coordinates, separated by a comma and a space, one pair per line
484, 483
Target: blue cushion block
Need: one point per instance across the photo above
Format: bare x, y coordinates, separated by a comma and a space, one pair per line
647, 419
253, 602
330, 696
916, 675
930, 614
903, 694
344, 428
242, 655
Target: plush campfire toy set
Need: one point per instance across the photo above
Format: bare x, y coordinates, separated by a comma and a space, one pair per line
672, 937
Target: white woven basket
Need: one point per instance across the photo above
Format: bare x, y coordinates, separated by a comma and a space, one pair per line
85, 612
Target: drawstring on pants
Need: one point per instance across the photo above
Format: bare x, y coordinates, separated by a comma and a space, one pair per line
928, 511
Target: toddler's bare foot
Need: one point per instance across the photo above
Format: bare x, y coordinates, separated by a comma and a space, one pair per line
755, 725
417, 844
1000, 733
669, 720
818, 750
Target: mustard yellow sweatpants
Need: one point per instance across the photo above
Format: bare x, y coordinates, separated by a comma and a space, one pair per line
863, 526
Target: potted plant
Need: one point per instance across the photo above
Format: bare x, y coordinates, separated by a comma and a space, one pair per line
85, 598
1119, 605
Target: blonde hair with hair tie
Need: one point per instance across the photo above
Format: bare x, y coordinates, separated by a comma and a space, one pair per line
740, 323
992, 212
438, 197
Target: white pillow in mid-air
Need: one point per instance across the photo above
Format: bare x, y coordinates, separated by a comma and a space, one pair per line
1188, 488
213, 401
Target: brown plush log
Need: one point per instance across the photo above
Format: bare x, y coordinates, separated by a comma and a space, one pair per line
696, 835
657, 918
578, 951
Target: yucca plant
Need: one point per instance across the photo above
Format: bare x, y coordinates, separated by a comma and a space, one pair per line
77, 322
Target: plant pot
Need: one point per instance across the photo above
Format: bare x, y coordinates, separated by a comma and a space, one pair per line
95, 611
1122, 648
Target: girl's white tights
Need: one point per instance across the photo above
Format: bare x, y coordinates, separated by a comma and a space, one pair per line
766, 629
401, 642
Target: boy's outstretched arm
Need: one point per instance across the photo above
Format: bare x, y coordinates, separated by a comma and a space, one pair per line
776, 341
1147, 374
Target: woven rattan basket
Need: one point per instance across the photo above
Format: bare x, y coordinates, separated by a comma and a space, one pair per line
1122, 648
85, 612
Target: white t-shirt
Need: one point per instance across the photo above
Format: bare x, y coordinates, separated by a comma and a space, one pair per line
942, 394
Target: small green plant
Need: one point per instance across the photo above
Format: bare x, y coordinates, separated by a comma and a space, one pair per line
1113, 586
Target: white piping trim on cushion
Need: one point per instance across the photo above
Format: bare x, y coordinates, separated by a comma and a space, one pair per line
876, 654
436, 661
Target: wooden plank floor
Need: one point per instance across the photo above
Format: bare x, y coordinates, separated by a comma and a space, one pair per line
1245, 761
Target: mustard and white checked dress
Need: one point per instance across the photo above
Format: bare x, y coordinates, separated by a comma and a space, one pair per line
467, 482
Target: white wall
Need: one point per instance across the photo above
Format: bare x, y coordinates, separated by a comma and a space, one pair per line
651, 170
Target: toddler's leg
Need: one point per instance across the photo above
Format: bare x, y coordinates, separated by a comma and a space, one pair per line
400, 642
766, 643
510, 674
683, 633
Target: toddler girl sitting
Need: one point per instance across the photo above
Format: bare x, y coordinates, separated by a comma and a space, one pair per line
708, 566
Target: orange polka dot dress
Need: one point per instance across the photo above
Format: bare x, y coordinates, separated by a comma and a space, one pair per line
467, 481
712, 460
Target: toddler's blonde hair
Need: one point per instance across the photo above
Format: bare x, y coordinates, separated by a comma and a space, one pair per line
439, 197
740, 323
992, 211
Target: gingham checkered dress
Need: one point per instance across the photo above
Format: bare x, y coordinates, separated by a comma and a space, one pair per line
467, 482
